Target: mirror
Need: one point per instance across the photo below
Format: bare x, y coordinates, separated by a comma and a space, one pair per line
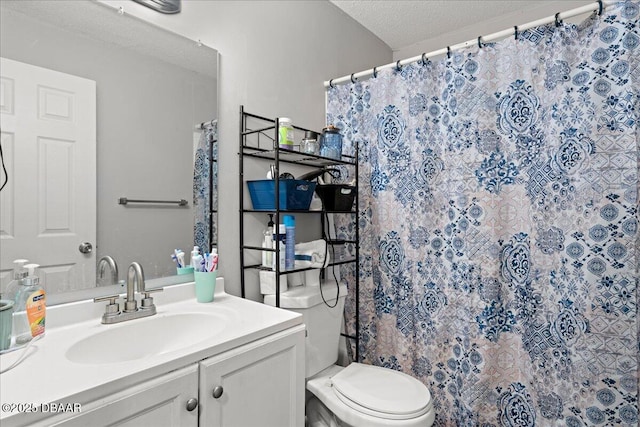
117, 114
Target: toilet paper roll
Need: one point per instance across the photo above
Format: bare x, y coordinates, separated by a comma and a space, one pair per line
268, 282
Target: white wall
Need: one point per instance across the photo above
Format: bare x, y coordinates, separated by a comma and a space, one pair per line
274, 57
499, 23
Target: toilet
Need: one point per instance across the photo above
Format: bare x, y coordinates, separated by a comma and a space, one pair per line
358, 395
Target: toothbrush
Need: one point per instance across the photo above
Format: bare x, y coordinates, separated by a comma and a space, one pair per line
207, 262
175, 258
180, 256
214, 262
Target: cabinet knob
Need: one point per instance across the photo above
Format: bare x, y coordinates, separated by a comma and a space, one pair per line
217, 391
192, 404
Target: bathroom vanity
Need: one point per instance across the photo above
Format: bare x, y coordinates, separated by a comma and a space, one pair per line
232, 362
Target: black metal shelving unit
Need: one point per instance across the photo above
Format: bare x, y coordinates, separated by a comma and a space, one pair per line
259, 138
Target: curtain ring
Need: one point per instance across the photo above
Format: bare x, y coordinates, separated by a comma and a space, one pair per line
352, 79
425, 60
448, 52
331, 84
515, 29
479, 42
398, 66
375, 72
558, 20
599, 7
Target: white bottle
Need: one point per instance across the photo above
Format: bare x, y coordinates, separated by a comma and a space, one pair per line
279, 240
30, 308
267, 242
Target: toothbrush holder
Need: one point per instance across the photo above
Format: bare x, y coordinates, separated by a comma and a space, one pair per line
205, 285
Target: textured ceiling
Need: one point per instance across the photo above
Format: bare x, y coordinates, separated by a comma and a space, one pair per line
401, 23
95, 20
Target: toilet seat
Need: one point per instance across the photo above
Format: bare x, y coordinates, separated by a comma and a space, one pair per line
401, 401
381, 392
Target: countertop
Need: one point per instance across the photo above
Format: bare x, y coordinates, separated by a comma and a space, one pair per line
46, 375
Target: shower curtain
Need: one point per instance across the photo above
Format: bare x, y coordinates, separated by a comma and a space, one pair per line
499, 224
205, 184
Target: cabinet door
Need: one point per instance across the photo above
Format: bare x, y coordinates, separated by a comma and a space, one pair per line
259, 384
158, 402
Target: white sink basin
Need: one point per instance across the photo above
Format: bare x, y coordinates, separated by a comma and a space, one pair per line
140, 338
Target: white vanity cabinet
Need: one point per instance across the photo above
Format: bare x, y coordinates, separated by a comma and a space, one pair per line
250, 353
258, 384
170, 400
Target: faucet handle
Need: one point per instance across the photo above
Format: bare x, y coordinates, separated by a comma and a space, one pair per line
147, 301
111, 298
111, 309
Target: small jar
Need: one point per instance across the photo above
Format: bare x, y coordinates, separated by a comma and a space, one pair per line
285, 134
309, 144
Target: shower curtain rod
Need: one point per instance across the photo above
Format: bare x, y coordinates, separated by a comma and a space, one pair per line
557, 18
205, 124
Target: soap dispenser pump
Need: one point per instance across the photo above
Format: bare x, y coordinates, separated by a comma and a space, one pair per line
30, 308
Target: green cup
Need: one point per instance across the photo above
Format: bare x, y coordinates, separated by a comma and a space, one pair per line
205, 285
184, 270
6, 322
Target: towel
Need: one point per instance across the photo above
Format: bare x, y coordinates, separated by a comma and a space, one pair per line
312, 254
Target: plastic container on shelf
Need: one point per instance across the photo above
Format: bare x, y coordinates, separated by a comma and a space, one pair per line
285, 133
295, 194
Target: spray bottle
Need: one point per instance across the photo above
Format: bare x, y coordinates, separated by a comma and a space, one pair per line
290, 241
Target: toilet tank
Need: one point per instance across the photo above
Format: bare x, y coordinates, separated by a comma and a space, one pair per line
322, 320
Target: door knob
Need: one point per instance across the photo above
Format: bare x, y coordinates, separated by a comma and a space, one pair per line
217, 391
192, 404
85, 248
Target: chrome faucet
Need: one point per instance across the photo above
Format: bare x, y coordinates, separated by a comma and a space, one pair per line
104, 263
135, 276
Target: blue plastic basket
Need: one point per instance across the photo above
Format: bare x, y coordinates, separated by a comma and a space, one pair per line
295, 194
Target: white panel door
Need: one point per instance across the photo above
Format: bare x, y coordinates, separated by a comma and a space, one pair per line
48, 207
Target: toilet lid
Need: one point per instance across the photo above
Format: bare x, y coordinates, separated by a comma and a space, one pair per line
381, 392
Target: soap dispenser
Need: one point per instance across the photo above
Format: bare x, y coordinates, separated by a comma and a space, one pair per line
19, 274
30, 308
267, 243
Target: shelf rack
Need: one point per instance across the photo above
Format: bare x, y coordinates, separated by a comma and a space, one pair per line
261, 141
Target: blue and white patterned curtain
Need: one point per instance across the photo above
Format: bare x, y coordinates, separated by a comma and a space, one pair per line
499, 224
205, 185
